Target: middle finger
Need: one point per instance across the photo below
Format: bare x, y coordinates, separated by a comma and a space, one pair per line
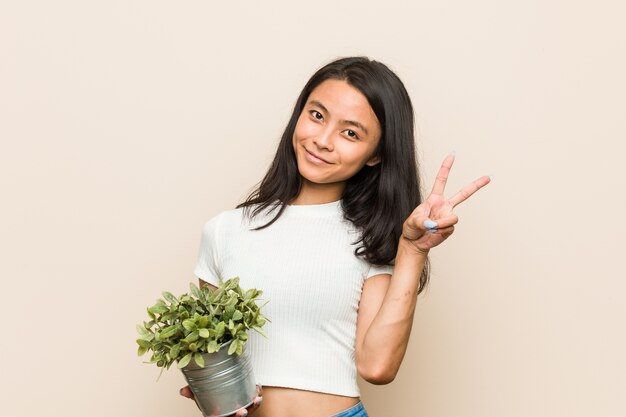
442, 175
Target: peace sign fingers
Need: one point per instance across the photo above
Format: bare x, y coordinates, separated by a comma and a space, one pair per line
442, 175
468, 190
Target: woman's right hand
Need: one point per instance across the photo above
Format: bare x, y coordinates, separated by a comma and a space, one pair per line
242, 412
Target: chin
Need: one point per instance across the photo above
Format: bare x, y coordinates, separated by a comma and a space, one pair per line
310, 177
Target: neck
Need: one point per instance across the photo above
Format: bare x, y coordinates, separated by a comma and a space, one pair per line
312, 193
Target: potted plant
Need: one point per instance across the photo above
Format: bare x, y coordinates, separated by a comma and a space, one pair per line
205, 333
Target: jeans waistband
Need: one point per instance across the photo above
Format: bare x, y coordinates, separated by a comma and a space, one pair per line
356, 410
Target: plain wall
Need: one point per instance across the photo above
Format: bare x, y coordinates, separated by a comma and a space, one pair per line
125, 125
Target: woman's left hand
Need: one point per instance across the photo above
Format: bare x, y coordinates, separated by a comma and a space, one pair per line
433, 221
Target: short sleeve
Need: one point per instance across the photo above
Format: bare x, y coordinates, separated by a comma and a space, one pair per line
379, 269
207, 267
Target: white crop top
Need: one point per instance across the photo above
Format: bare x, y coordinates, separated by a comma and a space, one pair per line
305, 265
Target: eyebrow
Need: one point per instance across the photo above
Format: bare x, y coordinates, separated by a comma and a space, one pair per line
349, 122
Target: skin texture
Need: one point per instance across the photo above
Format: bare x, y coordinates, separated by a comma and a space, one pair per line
326, 128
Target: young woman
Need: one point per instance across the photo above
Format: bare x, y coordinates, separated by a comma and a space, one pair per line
337, 236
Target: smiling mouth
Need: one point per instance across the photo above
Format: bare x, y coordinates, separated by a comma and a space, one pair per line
311, 154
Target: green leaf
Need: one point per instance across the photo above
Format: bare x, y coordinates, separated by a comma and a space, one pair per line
189, 324
143, 343
212, 346
210, 294
192, 337
168, 317
174, 351
141, 350
249, 294
219, 293
239, 291
184, 361
199, 360
203, 295
233, 346
204, 333
169, 332
237, 315
201, 343
170, 297
220, 329
193, 347
194, 289
158, 309
203, 321
148, 337
142, 329
228, 312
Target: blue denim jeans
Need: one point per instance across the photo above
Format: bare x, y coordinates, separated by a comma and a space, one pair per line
356, 410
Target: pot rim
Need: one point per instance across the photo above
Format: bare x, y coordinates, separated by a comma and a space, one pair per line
222, 346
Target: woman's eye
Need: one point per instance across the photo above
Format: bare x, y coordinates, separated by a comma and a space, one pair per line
317, 114
352, 134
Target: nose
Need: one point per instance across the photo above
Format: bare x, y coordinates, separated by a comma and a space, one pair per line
324, 140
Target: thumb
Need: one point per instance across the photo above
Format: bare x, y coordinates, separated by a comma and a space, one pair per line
186, 392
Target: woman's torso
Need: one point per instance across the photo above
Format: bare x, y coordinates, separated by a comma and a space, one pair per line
288, 402
306, 266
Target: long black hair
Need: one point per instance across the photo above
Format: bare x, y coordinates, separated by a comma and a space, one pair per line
378, 198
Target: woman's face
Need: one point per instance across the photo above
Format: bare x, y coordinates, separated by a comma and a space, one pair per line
336, 135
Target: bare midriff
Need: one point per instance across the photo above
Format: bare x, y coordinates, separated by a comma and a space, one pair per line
288, 402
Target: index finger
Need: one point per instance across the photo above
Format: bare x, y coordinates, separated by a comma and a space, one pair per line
468, 190
442, 175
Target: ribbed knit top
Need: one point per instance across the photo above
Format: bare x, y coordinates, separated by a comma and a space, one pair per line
306, 266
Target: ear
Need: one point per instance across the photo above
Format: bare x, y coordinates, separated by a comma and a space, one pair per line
373, 161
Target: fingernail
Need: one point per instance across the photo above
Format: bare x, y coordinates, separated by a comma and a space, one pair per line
180, 391
453, 153
431, 231
429, 224
245, 413
258, 400
491, 177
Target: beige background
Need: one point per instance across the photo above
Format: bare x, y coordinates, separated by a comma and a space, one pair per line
125, 125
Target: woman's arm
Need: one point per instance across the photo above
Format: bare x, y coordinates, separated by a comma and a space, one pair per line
386, 317
388, 303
